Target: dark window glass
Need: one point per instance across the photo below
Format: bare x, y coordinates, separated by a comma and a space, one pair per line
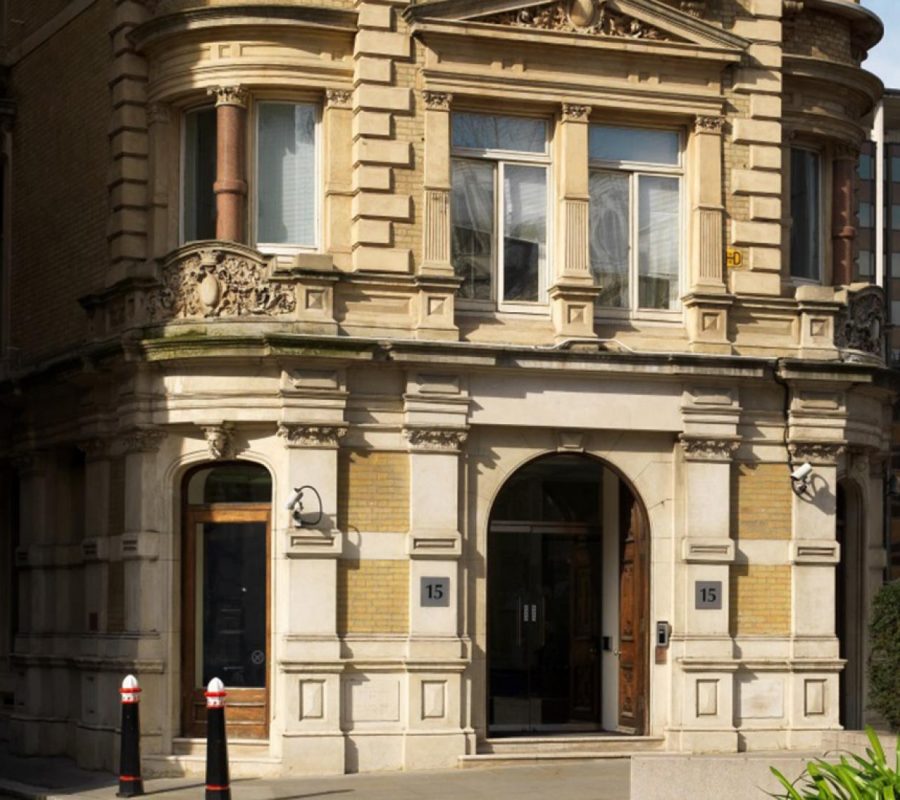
805, 215
230, 483
199, 213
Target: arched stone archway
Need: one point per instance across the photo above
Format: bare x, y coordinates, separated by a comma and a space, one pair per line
567, 600
226, 594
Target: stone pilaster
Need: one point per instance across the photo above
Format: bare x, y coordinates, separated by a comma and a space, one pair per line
573, 292
702, 647
310, 665
435, 427
338, 120
162, 142
230, 186
127, 226
378, 152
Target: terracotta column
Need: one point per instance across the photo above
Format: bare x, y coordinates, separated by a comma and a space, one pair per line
230, 186
843, 230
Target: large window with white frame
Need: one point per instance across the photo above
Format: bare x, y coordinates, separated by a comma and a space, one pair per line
806, 215
636, 217
283, 184
500, 208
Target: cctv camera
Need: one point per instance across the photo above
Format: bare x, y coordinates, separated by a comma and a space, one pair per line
802, 472
296, 497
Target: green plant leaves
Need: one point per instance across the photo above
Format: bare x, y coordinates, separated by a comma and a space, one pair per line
868, 778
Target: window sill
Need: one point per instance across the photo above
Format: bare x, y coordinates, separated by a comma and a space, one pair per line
474, 308
673, 317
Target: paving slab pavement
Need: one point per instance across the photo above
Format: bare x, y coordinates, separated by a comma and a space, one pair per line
608, 779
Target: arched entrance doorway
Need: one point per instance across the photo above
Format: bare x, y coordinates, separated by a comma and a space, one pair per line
849, 603
567, 601
226, 596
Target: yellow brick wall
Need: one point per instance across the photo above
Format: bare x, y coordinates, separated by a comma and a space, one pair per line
760, 501
373, 491
373, 596
760, 600
60, 165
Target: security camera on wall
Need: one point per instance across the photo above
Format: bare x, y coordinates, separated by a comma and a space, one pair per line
802, 472
800, 478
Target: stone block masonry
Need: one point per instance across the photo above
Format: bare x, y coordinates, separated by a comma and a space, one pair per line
378, 103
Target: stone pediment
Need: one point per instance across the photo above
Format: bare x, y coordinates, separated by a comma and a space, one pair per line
649, 20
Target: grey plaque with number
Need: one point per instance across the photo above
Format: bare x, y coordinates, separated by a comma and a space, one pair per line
708, 594
435, 592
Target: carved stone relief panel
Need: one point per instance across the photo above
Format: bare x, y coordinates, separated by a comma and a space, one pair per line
218, 283
578, 16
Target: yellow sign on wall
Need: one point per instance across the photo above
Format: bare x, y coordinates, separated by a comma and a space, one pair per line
734, 258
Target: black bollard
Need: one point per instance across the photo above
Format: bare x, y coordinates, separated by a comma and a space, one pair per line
130, 782
217, 787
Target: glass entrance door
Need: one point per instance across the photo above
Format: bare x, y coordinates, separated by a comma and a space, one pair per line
226, 617
544, 600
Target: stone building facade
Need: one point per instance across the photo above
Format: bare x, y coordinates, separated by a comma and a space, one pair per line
435, 374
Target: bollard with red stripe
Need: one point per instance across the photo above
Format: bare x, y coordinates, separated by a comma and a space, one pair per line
130, 782
217, 787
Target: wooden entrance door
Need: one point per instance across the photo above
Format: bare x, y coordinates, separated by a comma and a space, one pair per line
632, 615
226, 612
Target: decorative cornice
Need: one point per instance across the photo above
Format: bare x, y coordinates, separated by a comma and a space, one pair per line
312, 435
339, 98
437, 101
440, 439
709, 124
821, 453
142, 440
219, 439
234, 95
698, 448
572, 112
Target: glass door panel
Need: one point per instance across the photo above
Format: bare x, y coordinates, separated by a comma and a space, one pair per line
544, 614
233, 604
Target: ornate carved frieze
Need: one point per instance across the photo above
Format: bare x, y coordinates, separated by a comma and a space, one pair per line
339, 98
218, 283
824, 453
860, 326
234, 95
698, 448
439, 439
220, 440
575, 113
578, 17
306, 435
709, 124
437, 101
142, 440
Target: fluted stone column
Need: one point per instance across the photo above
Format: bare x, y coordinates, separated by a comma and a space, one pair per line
231, 184
573, 292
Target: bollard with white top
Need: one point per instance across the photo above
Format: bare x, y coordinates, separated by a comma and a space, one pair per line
217, 787
130, 782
